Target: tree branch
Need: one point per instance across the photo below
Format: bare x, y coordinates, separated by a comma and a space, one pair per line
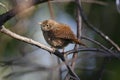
102, 46
90, 49
79, 33
24, 39
8, 15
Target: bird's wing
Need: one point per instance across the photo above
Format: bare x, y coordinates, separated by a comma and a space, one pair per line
64, 32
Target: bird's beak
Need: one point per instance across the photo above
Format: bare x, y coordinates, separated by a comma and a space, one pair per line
39, 23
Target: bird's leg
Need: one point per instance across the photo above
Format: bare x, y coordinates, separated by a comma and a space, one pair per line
63, 50
53, 50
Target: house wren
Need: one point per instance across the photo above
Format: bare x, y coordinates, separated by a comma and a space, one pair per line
58, 35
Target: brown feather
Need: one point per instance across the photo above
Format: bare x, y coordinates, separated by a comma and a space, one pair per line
63, 32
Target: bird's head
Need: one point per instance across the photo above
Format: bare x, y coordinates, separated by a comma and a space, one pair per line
47, 25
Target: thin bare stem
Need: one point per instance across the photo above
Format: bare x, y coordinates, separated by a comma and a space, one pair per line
89, 49
85, 1
79, 33
101, 46
75, 55
51, 10
60, 71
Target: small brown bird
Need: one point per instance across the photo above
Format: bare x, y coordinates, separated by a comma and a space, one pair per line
58, 35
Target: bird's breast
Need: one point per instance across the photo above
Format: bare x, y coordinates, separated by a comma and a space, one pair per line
54, 41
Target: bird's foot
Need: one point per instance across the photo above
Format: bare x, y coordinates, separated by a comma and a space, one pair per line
54, 49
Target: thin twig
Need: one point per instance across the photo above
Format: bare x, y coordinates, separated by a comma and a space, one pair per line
85, 20
51, 10
89, 49
75, 55
71, 72
79, 33
60, 70
85, 1
101, 46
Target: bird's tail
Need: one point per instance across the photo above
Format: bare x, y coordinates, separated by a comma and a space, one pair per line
79, 42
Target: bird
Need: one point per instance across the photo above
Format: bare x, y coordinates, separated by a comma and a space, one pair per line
58, 35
